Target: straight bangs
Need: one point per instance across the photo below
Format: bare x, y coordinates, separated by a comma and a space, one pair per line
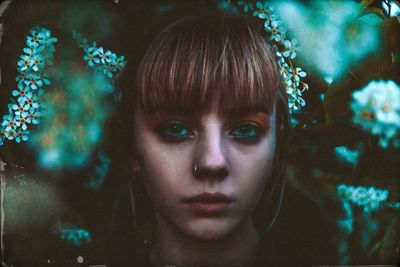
198, 63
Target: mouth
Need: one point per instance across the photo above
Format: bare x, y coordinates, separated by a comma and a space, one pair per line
209, 203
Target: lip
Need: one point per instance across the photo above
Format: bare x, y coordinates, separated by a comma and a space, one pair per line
209, 203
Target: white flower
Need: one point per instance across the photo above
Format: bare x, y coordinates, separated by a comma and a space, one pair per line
370, 198
376, 109
291, 48
276, 30
297, 73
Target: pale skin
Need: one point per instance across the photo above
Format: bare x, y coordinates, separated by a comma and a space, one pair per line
235, 155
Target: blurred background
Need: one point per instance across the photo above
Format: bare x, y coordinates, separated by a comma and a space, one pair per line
64, 199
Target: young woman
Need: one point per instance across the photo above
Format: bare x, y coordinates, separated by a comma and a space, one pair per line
206, 117
204, 120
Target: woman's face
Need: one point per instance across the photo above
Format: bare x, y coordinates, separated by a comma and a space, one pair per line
205, 173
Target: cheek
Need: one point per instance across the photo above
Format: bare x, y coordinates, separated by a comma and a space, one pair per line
251, 168
163, 176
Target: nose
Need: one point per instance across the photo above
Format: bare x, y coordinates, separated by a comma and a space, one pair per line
210, 161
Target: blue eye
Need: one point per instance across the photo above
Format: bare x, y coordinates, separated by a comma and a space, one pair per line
174, 131
246, 131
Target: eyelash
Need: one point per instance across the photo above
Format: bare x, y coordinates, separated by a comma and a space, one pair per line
177, 131
166, 131
254, 128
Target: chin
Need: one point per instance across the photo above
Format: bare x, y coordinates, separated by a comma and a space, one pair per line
209, 229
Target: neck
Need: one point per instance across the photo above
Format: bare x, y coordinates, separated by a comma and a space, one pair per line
172, 247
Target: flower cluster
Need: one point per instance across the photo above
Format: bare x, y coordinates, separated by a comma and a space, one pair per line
73, 124
376, 109
76, 236
285, 50
24, 108
370, 198
74, 121
97, 57
335, 35
347, 155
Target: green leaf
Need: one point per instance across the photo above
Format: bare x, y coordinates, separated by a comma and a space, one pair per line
390, 242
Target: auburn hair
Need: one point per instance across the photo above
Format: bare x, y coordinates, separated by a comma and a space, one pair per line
201, 61
197, 62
